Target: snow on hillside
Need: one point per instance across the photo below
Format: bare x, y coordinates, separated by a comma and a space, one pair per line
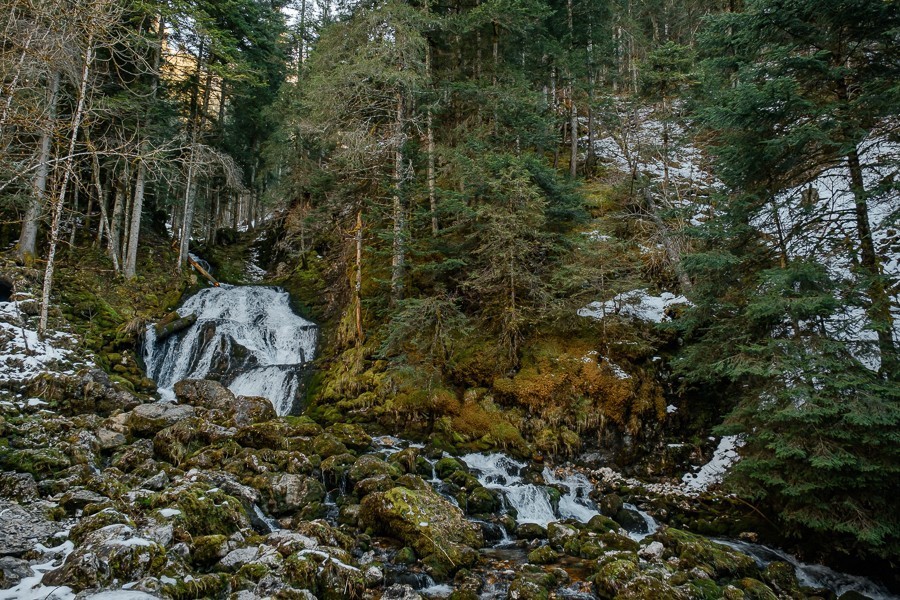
23, 355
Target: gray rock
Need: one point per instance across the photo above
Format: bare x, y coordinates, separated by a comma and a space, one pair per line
20, 530
13, 570
109, 439
157, 482
263, 555
651, 551
78, 499
374, 576
559, 533
400, 592
151, 418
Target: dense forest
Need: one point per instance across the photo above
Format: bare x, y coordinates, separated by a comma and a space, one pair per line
549, 228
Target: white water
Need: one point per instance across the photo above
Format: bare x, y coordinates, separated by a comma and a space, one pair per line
532, 502
248, 337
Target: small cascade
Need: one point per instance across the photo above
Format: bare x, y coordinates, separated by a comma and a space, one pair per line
814, 576
532, 502
651, 526
246, 337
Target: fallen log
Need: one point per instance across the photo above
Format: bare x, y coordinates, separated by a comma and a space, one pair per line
169, 326
202, 271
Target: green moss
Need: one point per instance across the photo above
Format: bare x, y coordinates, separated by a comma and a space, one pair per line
212, 585
40, 462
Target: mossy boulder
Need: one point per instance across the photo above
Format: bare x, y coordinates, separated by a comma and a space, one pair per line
96, 521
376, 483
352, 436
447, 466
531, 531
288, 493
207, 550
114, 553
204, 510
40, 462
755, 589
327, 445
560, 534
543, 555
781, 577
482, 501
697, 551
602, 524
334, 469
428, 523
368, 466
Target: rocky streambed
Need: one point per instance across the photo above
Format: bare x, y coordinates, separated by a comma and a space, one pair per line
215, 496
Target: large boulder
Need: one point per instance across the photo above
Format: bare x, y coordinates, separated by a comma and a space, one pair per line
20, 529
113, 553
432, 526
289, 493
212, 395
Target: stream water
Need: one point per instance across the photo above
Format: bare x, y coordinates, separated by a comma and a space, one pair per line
251, 340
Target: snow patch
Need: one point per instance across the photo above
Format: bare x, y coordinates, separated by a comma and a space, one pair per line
637, 304
713, 471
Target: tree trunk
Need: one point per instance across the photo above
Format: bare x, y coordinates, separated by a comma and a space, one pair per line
668, 244
67, 173
115, 231
398, 259
136, 208
27, 248
357, 287
429, 135
880, 308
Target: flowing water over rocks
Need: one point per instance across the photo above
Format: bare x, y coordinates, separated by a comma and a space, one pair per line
247, 337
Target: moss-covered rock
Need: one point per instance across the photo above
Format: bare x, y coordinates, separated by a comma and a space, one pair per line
99, 520
544, 555
368, 465
755, 589
696, 551
287, 493
147, 419
327, 445
559, 534
352, 436
114, 553
40, 462
447, 466
433, 527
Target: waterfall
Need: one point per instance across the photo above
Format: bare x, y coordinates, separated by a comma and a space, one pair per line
246, 337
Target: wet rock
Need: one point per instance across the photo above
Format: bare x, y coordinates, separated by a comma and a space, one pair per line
482, 501
601, 524
147, 419
447, 466
610, 504
21, 529
434, 528
532, 583
334, 470
756, 590
13, 570
696, 551
631, 520
157, 482
204, 392
782, 577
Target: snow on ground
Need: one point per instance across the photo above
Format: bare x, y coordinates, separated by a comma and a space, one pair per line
24, 356
637, 304
714, 471
30, 588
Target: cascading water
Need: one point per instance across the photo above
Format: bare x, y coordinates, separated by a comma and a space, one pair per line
246, 337
532, 502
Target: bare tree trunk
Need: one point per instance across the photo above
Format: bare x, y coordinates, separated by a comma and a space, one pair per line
135, 229
429, 135
573, 110
115, 230
399, 252
67, 173
27, 250
358, 284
